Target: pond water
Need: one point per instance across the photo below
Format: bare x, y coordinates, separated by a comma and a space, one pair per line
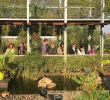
26, 86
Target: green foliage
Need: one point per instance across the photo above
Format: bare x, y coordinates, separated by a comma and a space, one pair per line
105, 62
107, 6
107, 45
77, 63
2, 62
22, 37
77, 35
34, 65
95, 95
96, 36
55, 64
5, 62
30, 66
5, 30
87, 81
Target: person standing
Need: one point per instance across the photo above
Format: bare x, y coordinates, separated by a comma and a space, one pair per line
21, 49
52, 49
60, 50
73, 49
45, 47
10, 50
81, 50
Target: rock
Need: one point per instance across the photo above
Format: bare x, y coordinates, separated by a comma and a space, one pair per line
5, 94
46, 83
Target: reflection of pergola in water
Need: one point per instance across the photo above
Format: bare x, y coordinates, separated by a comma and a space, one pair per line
63, 21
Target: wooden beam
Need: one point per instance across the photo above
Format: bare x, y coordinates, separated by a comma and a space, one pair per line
18, 23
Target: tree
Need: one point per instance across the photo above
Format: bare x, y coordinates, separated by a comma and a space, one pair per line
107, 6
78, 35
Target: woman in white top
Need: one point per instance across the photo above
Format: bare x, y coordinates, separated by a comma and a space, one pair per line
81, 51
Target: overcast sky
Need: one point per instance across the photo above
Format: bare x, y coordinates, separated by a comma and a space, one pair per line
107, 28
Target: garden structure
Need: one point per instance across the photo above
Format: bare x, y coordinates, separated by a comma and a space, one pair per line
59, 14
31, 13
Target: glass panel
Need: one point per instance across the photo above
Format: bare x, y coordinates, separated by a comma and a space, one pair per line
86, 9
13, 8
46, 9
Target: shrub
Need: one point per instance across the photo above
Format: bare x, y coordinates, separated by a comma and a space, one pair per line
34, 63
95, 95
30, 66
77, 63
88, 81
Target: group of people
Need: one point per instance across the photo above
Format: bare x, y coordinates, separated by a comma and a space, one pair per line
11, 49
51, 49
46, 48
74, 49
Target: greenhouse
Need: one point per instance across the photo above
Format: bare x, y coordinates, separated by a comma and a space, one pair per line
55, 49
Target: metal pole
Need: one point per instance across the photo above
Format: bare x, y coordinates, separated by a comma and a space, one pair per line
28, 3
90, 10
89, 33
65, 32
102, 22
89, 39
28, 28
60, 2
102, 26
102, 41
65, 40
90, 13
